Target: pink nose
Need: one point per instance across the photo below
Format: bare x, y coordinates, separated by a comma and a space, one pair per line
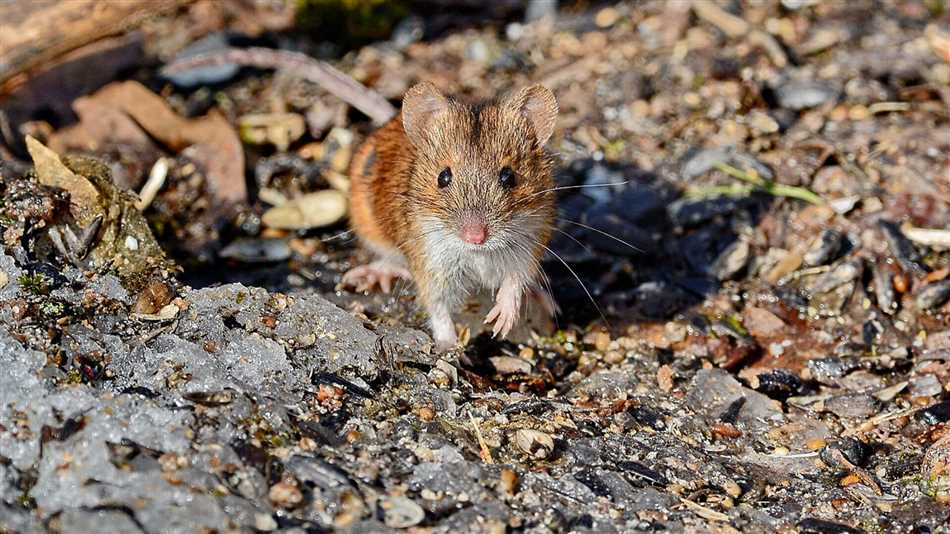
474, 233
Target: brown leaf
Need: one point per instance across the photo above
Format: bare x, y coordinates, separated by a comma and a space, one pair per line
50, 170
113, 113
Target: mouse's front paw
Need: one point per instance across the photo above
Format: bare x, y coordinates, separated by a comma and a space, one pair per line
382, 273
505, 315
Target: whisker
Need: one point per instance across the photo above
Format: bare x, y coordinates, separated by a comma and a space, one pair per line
569, 268
338, 236
582, 186
603, 233
579, 281
574, 239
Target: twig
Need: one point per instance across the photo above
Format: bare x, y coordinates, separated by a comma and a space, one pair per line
485, 452
704, 512
156, 179
771, 187
931, 237
319, 72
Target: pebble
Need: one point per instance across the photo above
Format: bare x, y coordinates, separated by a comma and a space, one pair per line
837, 277
799, 95
883, 287
824, 249
606, 17
285, 494
313, 210
933, 295
401, 512
858, 406
731, 261
935, 470
935, 413
534, 442
925, 386
253, 250
156, 295
507, 365
902, 249
852, 449
762, 122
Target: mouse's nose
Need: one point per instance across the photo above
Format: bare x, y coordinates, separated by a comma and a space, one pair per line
474, 232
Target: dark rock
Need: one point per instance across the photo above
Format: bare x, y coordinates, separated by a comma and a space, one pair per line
934, 414
853, 406
903, 250
688, 213
779, 384
853, 450
820, 526
933, 295
884, 289
825, 248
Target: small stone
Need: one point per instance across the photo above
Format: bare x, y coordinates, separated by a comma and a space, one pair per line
426, 414
933, 295
156, 295
858, 113
824, 248
935, 471
509, 481
761, 322
925, 386
401, 512
762, 122
313, 210
606, 17
285, 494
858, 406
804, 94
506, 365
600, 340
131, 243
664, 378
731, 261
534, 442
265, 522
935, 414
852, 450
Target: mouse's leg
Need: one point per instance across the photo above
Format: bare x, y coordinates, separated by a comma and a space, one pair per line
382, 272
443, 328
507, 306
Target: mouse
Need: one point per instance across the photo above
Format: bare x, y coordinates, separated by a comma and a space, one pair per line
457, 198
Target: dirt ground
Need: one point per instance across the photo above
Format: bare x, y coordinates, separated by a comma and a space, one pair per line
751, 264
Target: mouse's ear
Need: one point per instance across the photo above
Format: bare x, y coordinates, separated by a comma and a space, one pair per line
538, 105
422, 103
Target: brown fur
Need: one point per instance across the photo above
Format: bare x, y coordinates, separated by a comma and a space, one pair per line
394, 174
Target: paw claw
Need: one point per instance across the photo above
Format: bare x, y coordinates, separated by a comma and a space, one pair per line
381, 273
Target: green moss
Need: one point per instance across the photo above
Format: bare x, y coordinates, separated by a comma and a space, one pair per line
735, 323
73, 377
34, 283
52, 309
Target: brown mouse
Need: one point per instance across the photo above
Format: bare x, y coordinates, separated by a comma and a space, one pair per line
458, 198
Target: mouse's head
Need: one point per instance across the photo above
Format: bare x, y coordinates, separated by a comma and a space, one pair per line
481, 178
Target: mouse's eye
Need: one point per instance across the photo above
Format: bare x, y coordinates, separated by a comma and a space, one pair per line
507, 178
445, 177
